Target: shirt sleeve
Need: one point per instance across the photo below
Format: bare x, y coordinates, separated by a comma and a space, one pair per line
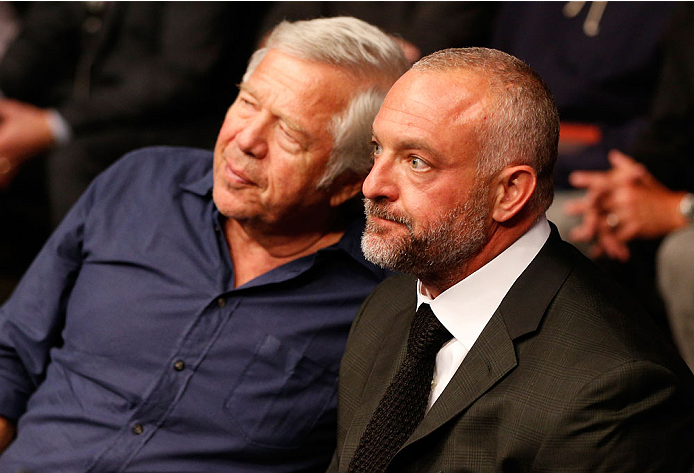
32, 318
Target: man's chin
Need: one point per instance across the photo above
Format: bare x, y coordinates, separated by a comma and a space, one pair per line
378, 249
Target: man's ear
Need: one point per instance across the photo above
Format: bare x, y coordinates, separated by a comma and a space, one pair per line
514, 186
344, 188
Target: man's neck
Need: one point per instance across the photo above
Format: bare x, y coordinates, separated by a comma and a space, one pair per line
254, 253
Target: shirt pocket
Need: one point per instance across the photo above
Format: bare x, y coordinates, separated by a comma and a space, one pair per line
281, 395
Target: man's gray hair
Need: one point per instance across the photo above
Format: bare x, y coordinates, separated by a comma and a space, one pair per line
524, 124
359, 48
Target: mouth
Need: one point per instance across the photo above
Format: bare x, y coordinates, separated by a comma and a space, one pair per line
378, 216
236, 177
374, 220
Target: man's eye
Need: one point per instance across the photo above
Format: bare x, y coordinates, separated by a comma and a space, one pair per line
246, 99
417, 163
287, 135
376, 149
288, 139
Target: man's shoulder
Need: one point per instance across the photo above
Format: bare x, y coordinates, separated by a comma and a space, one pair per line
392, 297
149, 178
156, 167
398, 290
599, 325
166, 160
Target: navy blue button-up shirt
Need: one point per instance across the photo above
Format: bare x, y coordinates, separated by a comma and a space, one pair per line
126, 348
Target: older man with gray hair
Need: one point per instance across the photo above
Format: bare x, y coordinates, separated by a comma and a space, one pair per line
503, 349
190, 312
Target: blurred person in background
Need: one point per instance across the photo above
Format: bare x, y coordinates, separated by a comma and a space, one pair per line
648, 195
419, 27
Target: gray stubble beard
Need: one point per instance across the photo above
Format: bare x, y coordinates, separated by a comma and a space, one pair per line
439, 250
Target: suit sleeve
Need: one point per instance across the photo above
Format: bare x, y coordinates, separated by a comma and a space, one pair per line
635, 417
32, 318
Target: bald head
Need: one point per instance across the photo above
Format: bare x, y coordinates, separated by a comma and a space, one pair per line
522, 125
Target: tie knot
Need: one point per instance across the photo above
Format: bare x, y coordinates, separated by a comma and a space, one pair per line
427, 334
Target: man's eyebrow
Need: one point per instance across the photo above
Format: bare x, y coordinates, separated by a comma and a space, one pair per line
245, 87
291, 123
411, 143
416, 144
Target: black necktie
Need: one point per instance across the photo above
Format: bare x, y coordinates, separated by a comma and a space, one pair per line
403, 405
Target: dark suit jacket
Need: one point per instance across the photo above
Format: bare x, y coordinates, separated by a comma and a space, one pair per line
568, 375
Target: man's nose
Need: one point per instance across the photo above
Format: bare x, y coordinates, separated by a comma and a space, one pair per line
381, 183
253, 137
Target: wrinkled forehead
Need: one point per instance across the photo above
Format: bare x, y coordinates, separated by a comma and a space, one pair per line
312, 81
435, 100
306, 93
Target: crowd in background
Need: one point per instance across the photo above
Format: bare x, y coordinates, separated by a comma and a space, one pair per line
83, 83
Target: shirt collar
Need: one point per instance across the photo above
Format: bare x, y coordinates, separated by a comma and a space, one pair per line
350, 242
201, 186
465, 308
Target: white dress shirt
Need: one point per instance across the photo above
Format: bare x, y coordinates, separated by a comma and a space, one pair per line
465, 309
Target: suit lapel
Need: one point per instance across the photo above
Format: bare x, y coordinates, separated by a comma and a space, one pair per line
493, 355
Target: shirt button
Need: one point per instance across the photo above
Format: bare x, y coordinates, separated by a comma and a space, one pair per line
138, 429
179, 365
221, 302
